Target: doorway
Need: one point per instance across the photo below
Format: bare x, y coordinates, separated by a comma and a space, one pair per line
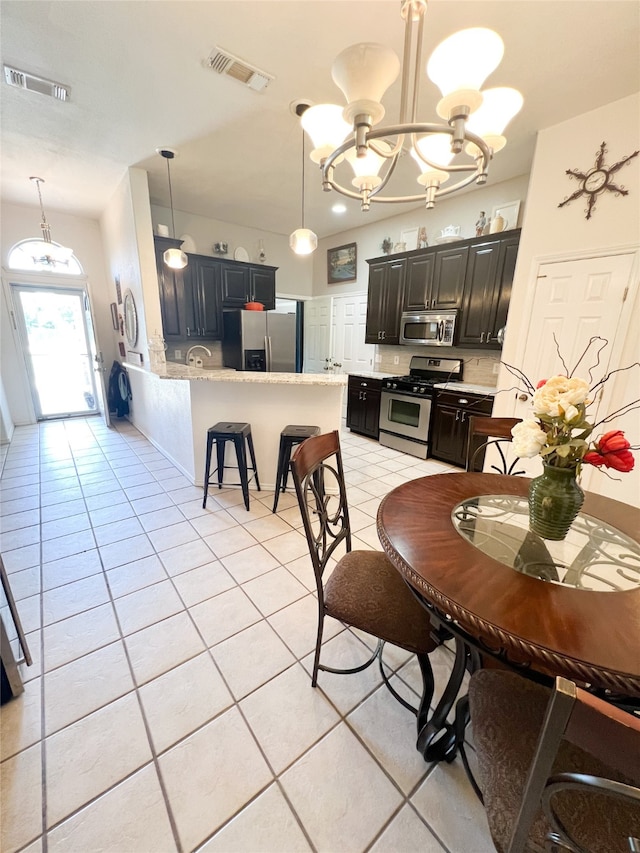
54, 326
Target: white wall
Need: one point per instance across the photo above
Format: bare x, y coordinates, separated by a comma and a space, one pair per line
462, 210
83, 235
551, 233
294, 276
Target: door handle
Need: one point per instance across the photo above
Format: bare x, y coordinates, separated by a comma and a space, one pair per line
523, 397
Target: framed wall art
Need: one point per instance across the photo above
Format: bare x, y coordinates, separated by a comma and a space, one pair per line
410, 238
342, 264
509, 212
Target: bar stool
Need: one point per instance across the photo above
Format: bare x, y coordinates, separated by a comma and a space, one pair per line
238, 433
290, 436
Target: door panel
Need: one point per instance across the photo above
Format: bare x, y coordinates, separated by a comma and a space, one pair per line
317, 334
575, 301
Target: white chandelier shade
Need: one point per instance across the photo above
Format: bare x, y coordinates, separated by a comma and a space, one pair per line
499, 106
364, 72
461, 63
326, 127
459, 66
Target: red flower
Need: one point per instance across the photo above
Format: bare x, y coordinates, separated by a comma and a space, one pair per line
541, 383
612, 451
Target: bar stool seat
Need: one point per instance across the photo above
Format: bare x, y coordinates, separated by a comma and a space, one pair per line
238, 433
291, 435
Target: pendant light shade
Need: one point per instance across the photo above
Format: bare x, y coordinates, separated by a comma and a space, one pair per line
303, 241
174, 258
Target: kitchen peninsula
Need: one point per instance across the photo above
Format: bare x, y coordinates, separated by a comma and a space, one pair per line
175, 406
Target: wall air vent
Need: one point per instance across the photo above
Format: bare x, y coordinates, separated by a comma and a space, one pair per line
223, 62
24, 80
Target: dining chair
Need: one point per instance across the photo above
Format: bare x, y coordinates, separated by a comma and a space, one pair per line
485, 432
557, 766
361, 589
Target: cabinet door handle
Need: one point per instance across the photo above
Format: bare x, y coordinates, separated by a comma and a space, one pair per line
364, 395
488, 338
384, 335
482, 338
464, 415
188, 332
457, 414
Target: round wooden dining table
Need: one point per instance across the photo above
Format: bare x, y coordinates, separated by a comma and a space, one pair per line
591, 636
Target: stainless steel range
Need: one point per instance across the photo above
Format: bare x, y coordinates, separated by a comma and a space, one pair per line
405, 403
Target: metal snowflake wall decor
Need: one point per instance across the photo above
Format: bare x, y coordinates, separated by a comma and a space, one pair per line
597, 180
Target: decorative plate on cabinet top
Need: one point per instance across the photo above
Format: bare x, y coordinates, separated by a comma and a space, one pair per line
188, 244
241, 254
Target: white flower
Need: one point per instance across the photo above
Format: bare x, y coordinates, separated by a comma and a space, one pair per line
528, 439
559, 396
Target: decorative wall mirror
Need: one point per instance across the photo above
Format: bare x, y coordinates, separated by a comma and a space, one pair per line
130, 319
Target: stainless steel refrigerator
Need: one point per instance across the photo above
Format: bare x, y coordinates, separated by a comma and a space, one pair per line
259, 340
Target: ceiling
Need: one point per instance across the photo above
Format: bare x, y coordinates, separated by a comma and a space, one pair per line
138, 81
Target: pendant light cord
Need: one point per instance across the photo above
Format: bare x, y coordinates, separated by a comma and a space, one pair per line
302, 179
173, 224
44, 225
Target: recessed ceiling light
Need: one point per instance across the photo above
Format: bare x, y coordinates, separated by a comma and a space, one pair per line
339, 208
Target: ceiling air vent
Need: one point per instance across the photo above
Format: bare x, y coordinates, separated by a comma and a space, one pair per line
223, 62
24, 80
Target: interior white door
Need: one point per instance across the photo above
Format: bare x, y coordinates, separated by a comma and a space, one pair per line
317, 334
349, 323
574, 301
349, 353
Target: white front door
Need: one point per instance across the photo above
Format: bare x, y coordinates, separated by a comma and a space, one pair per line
574, 301
317, 334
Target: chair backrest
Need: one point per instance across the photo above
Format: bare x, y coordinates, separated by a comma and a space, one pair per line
610, 735
485, 432
316, 466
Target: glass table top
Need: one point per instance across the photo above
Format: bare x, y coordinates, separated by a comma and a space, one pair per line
593, 556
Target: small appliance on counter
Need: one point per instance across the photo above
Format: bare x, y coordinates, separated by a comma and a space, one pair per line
259, 341
405, 403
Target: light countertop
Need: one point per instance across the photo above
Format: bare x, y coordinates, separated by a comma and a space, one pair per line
173, 370
372, 374
467, 388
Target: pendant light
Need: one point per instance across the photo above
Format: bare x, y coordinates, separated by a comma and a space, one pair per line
52, 253
174, 258
303, 241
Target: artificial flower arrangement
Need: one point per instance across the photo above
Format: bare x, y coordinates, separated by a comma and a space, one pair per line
561, 433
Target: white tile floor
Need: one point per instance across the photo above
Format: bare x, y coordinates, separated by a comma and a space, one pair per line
169, 706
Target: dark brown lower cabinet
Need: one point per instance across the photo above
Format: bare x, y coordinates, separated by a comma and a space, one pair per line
363, 405
450, 424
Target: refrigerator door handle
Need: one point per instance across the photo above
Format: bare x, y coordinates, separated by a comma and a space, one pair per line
267, 349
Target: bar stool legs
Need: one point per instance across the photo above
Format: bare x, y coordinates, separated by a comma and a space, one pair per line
238, 433
290, 436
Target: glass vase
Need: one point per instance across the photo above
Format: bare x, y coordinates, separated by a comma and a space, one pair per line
555, 499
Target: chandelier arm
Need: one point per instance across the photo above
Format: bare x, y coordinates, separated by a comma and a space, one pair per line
388, 174
388, 154
409, 199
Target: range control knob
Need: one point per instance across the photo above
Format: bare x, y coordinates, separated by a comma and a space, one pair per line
394, 385
415, 389
422, 390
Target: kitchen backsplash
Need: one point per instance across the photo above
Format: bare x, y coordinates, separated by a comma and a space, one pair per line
478, 364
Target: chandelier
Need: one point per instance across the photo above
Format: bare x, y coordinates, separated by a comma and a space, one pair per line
473, 125
48, 253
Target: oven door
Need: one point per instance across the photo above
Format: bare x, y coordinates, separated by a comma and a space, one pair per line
405, 416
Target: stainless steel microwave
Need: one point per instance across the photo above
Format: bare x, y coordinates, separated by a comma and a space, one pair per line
428, 328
